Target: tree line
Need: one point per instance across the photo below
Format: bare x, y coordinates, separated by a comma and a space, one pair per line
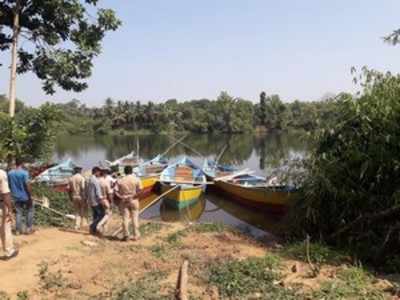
226, 114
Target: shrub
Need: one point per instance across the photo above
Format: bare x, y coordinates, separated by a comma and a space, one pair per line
350, 196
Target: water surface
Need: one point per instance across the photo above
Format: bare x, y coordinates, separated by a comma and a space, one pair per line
259, 153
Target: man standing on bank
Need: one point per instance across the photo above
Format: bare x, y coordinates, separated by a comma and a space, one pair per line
21, 193
76, 187
95, 198
6, 218
127, 189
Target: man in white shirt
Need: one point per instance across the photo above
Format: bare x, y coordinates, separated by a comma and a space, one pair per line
6, 218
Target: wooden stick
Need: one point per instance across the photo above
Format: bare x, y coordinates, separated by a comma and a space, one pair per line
190, 148
118, 231
173, 145
220, 155
188, 182
181, 286
67, 216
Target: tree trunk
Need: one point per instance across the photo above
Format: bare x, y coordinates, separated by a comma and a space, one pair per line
13, 73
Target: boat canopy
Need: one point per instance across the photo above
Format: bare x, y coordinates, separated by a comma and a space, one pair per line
183, 168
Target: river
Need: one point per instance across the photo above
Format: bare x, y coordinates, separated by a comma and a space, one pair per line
259, 153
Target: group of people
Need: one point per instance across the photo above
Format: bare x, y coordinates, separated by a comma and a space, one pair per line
101, 192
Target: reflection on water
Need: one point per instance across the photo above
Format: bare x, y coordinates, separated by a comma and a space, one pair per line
259, 153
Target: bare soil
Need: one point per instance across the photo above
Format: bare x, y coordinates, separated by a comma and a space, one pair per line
56, 264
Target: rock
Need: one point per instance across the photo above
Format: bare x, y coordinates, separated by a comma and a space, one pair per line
75, 285
89, 243
295, 268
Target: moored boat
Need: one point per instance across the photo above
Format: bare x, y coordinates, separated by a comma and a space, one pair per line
213, 169
253, 191
128, 160
186, 179
57, 175
149, 174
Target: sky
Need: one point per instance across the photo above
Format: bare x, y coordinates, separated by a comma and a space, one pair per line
299, 49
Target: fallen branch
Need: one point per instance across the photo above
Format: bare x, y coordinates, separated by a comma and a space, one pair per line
181, 285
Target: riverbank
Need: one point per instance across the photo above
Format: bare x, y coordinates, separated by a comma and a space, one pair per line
223, 264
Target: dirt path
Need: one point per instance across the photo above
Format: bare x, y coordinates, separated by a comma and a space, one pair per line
21, 273
55, 264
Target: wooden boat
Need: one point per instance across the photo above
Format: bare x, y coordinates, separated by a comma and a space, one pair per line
253, 191
151, 167
130, 159
212, 169
149, 174
188, 180
58, 175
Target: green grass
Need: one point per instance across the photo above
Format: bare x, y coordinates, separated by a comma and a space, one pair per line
4, 296
319, 253
51, 280
351, 283
151, 228
175, 239
146, 288
23, 295
208, 227
159, 251
238, 279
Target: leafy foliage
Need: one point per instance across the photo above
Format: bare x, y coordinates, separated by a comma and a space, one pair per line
225, 114
62, 38
58, 201
351, 194
30, 135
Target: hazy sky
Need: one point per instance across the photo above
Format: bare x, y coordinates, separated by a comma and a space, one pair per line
194, 49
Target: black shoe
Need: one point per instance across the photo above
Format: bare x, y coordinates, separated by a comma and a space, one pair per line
125, 239
11, 256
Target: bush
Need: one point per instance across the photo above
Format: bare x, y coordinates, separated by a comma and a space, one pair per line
58, 201
350, 196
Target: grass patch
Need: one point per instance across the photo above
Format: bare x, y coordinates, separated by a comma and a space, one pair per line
351, 283
175, 239
150, 228
58, 201
319, 253
4, 296
208, 227
51, 280
237, 279
146, 288
159, 251
23, 295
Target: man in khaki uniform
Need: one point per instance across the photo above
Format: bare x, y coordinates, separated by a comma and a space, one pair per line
76, 186
6, 219
127, 190
106, 202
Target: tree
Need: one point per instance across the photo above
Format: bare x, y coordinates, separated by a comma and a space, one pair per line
30, 135
350, 196
263, 109
62, 39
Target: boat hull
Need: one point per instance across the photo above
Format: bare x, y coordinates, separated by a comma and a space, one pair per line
183, 196
269, 200
148, 185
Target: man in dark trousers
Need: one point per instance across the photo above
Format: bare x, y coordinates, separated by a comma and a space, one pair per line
20, 187
95, 198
